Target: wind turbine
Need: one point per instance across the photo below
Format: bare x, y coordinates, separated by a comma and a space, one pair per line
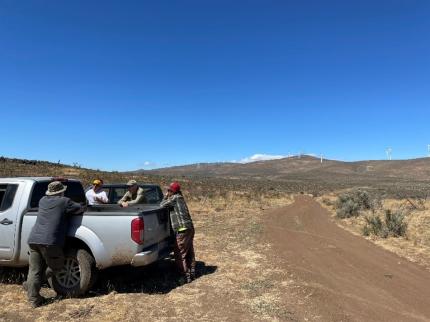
389, 152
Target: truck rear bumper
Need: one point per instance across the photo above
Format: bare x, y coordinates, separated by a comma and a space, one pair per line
151, 254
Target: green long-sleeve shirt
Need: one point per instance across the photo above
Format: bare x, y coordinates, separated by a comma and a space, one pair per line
180, 217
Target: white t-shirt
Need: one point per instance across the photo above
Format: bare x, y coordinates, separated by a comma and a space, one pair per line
91, 197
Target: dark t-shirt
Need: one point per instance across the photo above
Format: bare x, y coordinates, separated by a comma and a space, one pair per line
52, 220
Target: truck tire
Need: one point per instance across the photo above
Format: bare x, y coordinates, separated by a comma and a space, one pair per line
77, 276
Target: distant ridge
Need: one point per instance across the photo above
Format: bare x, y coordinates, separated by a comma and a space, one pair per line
305, 167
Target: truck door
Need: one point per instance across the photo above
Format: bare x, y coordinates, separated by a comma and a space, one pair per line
9, 205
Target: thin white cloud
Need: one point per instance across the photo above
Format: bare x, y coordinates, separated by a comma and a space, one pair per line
261, 157
148, 165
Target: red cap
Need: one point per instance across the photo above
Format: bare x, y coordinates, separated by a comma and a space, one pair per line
175, 187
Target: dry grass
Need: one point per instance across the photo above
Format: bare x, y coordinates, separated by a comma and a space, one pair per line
235, 281
415, 246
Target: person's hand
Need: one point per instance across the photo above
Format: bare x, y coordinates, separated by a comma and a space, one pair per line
100, 199
124, 204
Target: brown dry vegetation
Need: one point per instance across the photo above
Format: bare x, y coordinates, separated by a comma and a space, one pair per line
236, 278
415, 245
235, 282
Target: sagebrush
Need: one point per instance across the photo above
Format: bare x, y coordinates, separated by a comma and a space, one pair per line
350, 204
393, 225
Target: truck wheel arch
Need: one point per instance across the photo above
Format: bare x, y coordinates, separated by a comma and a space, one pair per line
76, 243
86, 239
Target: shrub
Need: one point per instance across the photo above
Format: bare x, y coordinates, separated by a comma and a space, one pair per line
347, 208
349, 204
374, 226
393, 225
363, 199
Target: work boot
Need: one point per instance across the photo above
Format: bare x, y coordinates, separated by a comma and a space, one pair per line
188, 277
193, 274
39, 302
182, 281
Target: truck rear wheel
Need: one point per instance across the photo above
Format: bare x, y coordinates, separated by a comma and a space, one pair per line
77, 276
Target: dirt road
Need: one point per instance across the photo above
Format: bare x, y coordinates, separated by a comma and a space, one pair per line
339, 276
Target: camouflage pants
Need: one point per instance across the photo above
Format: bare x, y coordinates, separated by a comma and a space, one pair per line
44, 261
184, 253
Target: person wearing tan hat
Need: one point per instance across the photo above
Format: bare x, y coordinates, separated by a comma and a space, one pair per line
96, 195
133, 196
47, 239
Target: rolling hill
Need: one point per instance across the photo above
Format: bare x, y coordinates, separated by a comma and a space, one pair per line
306, 167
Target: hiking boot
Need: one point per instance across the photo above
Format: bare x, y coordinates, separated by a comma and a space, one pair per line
182, 281
39, 302
188, 277
193, 274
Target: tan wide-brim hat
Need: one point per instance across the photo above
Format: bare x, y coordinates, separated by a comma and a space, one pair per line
55, 188
131, 183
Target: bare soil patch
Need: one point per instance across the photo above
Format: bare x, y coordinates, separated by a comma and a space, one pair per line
339, 276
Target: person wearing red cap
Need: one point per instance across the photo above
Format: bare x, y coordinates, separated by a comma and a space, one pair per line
183, 228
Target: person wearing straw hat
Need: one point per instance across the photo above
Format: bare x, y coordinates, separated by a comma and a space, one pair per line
47, 239
133, 196
96, 195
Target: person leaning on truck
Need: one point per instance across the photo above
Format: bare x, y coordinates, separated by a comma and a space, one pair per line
96, 195
183, 228
47, 239
134, 195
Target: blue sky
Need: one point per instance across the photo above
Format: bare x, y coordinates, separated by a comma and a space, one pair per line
121, 85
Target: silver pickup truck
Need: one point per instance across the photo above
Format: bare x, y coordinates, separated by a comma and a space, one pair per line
101, 237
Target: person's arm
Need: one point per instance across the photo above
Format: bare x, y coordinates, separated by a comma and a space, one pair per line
140, 198
103, 197
74, 208
124, 198
168, 202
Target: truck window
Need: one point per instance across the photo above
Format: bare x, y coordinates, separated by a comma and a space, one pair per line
117, 194
74, 191
152, 195
7, 194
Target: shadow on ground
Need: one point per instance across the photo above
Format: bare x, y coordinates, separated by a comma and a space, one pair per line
13, 275
158, 278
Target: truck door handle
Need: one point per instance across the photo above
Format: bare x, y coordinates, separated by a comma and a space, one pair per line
6, 222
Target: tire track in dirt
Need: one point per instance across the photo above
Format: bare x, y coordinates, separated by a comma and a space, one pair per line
339, 276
